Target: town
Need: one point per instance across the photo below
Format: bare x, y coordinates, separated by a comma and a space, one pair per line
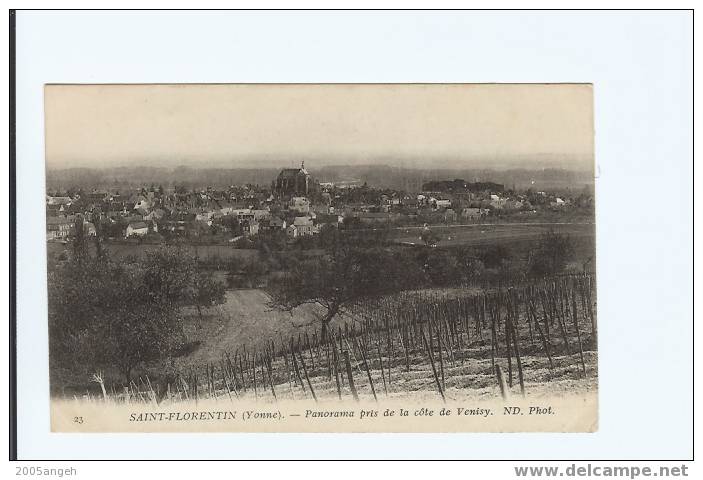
295, 205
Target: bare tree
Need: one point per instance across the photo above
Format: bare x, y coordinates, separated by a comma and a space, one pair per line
348, 273
207, 293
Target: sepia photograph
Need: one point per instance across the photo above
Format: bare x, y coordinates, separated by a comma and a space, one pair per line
321, 257
427, 241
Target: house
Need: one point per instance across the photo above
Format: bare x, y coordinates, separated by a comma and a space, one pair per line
327, 219
292, 231
299, 205
175, 226
261, 214
137, 229
250, 227
497, 202
204, 215
241, 212
373, 217
389, 201
58, 228
142, 211
155, 215
472, 213
225, 206
115, 213
442, 203
58, 200
279, 223
305, 226
301, 227
140, 202
449, 215
273, 223
246, 216
95, 196
89, 229
133, 219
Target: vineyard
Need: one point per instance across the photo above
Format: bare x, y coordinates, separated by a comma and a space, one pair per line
538, 337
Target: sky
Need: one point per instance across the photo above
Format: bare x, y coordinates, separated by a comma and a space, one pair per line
457, 126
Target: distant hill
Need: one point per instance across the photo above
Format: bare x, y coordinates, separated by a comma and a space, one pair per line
413, 179
459, 185
380, 176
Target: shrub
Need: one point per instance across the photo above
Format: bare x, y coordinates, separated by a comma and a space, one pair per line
494, 256
551, 255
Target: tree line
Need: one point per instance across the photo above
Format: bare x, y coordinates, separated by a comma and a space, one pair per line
358, 266
118, 313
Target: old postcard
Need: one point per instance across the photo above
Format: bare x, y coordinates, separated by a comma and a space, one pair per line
321, 258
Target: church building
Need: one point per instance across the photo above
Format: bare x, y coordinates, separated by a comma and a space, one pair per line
293, 181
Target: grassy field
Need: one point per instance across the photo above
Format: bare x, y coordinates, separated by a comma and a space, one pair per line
518, 237
480, 235
121, 250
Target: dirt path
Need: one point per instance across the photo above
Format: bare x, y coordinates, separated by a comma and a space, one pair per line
245, 318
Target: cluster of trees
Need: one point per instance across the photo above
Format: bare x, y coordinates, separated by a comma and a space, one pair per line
360, 266
356, 266
553, 251
119, 313
459, 185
